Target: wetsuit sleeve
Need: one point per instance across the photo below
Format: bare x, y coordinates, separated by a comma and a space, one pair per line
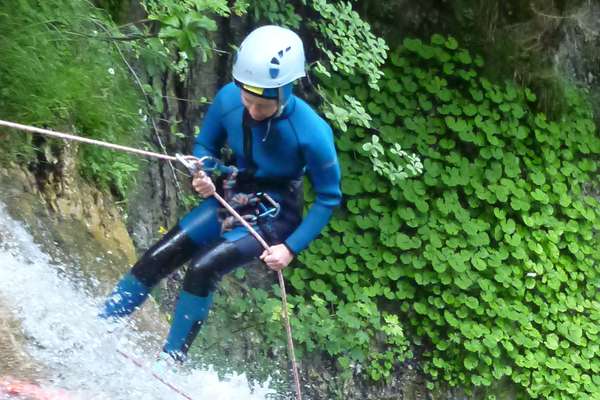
323, 171
212, 133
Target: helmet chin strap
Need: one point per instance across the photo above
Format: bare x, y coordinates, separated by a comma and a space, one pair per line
280, 107
280, 104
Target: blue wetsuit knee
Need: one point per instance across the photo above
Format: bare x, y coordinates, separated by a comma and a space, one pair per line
201, 224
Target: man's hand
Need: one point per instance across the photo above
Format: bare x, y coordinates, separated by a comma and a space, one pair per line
203, 184
277, 257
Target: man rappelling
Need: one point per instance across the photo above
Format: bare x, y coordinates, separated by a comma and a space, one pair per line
276, 139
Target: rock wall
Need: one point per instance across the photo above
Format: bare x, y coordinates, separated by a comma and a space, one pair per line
76, 225
15, 361
74, 214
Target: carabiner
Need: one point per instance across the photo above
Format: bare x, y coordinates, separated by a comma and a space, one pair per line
206, 163
272, 211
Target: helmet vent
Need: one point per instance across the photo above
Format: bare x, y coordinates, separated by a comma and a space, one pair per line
275, 63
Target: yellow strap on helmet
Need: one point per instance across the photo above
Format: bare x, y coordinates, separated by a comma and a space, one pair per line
254, 89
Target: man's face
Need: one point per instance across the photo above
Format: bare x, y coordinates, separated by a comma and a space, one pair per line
259, 108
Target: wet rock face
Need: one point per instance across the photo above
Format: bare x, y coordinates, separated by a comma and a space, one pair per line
15, 362
83, 231
578, 56
71, 198
75, 223
579, 52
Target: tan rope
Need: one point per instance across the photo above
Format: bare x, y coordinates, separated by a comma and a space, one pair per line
288, 327
66, 136
156, 376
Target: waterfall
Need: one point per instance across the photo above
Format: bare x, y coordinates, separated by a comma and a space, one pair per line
72, 349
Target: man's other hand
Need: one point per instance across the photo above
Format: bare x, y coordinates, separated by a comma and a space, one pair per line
203, 184
277, 257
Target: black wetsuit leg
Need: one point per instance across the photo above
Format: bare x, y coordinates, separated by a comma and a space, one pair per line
169, 253
212, 263
206, 269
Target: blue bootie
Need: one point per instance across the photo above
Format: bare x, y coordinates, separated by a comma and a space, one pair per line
127, 295
190, 312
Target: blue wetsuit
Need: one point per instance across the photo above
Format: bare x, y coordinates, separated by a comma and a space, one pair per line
287, 147
284, 149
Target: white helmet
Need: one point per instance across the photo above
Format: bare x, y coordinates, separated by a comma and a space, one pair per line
269, 57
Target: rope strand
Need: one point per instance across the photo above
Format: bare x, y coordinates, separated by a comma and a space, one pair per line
66, 136
156, 376
288, 327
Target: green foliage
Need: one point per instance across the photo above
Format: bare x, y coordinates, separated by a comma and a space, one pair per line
347, 41
347, 333
398, 164
491, 257
278, 12
350, 48
184, 26
341, 110
51, 74
174, 34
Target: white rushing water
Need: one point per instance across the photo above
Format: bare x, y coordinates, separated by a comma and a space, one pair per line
79, 352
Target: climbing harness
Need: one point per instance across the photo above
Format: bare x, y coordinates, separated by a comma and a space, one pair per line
255, 207
193, 165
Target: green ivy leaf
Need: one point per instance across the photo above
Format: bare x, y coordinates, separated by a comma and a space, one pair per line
551, 341
451, 43
389, 257
420, 308
508, 226
471, 362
